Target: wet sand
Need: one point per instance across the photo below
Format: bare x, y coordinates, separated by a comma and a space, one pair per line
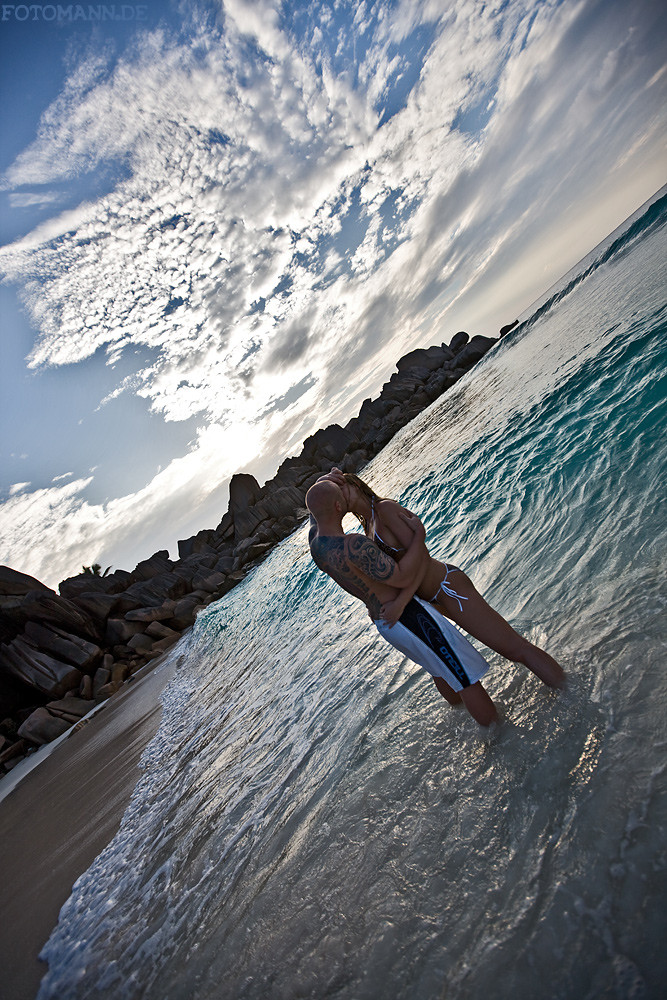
61, 815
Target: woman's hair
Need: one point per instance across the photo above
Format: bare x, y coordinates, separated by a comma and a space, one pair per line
366, 491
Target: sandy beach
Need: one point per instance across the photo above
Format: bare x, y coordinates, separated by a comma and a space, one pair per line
72, 803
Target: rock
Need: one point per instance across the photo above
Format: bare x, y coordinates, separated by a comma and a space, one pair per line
330, 443
98, 606
102, 677
245, 544
472, 352
8, 728
245, 522
15, 584
204, 542
154, 566
41, 727
119, 630
121, 671
184, 612
210, 583
84, 583
355, 460
201, 560
226, 527
122, 652
160, 613
86, 687
152, 593
224, 564
281, 502
458, 341
184, 604
37, 669
162, 645
13, 750
244, 490
69, 648
15, 694
292, 472
45, 606
138, 643
428, 358
106, 691
254, 552
70, 709
504, 330
156, 630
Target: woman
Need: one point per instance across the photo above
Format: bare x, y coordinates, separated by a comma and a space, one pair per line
447, 588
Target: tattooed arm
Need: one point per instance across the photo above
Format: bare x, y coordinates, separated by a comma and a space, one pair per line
332, 556
376, 565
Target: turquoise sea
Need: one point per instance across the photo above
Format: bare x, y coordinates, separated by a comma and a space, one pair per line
313, 821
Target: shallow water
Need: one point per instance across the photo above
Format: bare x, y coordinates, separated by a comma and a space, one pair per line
314, 821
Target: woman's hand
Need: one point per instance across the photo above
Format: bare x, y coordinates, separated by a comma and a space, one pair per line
335, 476
392, 610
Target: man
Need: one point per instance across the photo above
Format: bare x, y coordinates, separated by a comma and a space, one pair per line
361, 568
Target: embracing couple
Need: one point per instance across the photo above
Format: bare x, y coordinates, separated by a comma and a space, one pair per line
410, 596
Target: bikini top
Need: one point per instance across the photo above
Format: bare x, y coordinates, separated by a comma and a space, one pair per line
389, 550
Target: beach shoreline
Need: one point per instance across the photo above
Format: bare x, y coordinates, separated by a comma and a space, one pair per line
61, 815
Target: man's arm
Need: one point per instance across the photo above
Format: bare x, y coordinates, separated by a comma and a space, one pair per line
376, 565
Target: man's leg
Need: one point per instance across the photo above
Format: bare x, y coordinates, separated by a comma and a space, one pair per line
447, 692
425, 636
480, 620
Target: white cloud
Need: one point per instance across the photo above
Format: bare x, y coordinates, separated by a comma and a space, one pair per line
271, 234
73, 532
30, 200
18, 488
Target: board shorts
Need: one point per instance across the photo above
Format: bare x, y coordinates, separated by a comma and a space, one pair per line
432, 641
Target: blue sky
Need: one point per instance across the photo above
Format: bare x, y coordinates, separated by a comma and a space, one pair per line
221, 224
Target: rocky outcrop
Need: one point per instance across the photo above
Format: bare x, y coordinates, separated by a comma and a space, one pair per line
62, 654
504, 330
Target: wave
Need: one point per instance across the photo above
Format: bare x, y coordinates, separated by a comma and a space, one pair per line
651, 219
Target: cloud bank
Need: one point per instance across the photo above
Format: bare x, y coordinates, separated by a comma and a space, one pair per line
303, 194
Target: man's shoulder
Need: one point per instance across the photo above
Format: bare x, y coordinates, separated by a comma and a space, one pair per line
322, 547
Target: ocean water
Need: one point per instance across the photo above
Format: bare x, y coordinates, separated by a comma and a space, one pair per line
314, 821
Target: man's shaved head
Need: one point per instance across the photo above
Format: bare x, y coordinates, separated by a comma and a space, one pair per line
322, 498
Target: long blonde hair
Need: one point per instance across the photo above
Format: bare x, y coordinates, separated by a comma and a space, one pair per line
366, 491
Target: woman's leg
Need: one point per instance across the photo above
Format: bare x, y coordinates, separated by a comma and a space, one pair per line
480, 620
479, 704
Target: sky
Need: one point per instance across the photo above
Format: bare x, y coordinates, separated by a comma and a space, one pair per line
222, 223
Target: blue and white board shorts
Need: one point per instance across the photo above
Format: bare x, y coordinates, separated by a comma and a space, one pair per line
432, 641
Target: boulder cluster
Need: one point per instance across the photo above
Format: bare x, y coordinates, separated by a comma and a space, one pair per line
61, 654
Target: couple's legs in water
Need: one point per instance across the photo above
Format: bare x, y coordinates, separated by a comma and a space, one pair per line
480, 620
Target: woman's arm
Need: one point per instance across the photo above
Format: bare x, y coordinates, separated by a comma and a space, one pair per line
335, 476
402, 524
394, 522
